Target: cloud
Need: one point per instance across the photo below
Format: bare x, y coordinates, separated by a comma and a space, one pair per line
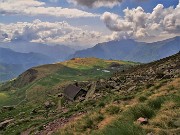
100, 3
54, 1
138, 24
96, 3
34, 7
50, 33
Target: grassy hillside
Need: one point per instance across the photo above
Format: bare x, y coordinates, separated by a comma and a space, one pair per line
117, 115
151, 91
36, 83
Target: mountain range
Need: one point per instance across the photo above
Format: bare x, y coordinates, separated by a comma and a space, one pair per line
25, 55
18, 56
13, 63
130, 99
130, 50
9, 71
56, 52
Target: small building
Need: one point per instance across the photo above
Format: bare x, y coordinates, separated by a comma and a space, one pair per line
73, 92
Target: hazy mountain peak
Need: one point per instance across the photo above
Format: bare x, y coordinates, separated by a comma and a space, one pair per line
128, 49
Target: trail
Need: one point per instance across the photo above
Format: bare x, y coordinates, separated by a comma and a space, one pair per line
29, 87
54, 126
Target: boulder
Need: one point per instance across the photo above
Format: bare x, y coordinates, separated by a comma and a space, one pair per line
102, 80
131, 88
8, 108
53, 104
47, 104
34, 111
142, 120
117, 87
114, 78
5, 123
176, 123
151, 133
60, 95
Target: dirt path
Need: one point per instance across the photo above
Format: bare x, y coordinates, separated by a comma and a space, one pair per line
54, 126
106, 121
33, 84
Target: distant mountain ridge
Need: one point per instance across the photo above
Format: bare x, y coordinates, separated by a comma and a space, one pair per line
130, 50
9, 71
56, 52
145, 91
13, 63
25, 55
27, 59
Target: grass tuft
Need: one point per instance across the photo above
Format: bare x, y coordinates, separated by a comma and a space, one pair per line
141, 111
113, 109
123, 128
142, 98
156, 103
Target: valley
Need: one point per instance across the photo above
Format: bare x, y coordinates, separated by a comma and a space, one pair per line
89, 67
115, 99
28, 55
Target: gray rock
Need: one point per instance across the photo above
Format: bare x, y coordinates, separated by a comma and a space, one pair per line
5, 123
102, 80
142, 120
60, 95
151, 133
177, 123
8, 108
131, 88
117, 87
47, 104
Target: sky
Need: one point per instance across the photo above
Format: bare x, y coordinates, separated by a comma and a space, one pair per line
88, 22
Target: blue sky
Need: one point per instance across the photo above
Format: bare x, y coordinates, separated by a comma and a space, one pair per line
87, 23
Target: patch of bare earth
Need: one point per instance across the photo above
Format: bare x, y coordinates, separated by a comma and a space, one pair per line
54, 126
27, 132
106, 121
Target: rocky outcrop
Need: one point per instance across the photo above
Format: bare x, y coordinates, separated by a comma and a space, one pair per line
5, 123
141, 75
27, 77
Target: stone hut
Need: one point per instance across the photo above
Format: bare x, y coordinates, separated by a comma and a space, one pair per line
73, 92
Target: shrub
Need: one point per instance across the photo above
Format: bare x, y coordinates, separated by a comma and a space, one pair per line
40, 128
176, 99
141, 111
148, 93
156, 103
101, 104
129, 97
88, 124
112, 109
99, 118
90, 103
149, 85
171, 87
123, 128
159, 75
142, 98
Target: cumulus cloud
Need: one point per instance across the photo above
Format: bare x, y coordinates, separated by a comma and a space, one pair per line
54, 1
50, 33
34, 7
100, 3
96, 3
138, 24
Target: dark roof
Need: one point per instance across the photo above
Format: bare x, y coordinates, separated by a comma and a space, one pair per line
71, 91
